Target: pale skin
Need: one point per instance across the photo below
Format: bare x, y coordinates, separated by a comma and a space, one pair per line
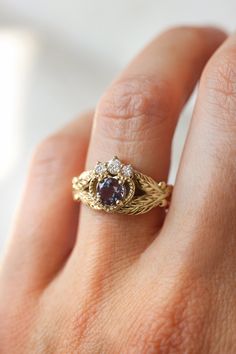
74, 280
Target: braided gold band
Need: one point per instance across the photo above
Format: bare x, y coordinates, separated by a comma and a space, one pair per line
115, 187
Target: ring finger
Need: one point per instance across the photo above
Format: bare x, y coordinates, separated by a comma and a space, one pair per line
135, 121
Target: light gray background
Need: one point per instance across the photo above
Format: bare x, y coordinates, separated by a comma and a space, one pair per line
56, 58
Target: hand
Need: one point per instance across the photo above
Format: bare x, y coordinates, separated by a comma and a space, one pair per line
133, 284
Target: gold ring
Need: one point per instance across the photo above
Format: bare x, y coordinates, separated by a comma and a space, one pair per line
117, 188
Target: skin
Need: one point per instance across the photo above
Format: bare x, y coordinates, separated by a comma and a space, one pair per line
74, 280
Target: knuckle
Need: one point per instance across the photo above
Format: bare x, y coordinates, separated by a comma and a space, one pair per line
83, 328
15, 325
220, 82
194, 34
49, 147
51, 155
82, 320
77, 332
176, 327
133, 106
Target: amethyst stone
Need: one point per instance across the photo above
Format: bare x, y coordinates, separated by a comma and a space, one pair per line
111, 191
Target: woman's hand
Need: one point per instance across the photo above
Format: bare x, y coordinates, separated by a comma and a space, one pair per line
133, 284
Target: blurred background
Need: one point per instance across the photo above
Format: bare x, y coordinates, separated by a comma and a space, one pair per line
56, 58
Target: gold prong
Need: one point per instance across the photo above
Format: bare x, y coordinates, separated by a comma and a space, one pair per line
162, 185
75, 180
163, 203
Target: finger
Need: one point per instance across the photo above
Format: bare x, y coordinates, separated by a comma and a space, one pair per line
46, 225
135, 120
205, 191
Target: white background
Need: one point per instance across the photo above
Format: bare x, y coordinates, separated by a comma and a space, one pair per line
56, 58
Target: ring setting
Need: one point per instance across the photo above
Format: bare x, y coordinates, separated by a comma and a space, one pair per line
116, 187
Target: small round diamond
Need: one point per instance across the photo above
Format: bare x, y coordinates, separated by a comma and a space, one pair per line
111, 191
100, 168
114, 166
127, 171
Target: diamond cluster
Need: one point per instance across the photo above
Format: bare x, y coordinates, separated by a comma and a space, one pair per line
114, 167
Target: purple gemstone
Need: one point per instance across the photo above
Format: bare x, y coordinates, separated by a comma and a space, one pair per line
111, 191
